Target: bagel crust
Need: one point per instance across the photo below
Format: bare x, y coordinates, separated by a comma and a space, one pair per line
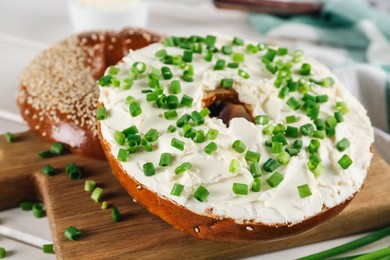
58, 93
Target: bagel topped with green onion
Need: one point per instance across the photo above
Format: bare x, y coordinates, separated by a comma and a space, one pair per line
231, 140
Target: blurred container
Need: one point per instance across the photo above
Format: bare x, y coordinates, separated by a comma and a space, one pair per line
107, 14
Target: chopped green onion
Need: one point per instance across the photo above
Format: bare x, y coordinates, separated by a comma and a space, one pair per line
256, 184
304, 191
283, 92
314, 146
210, 148
276, 147
305, 69
279, 138
186, 101
255, 169
283, 158
105, 81
331, 122
339, 117
126, 84
165, 159
170, 114
120, 137
291, 119
210, 40
48, 170
275, 179
187, 56
172, 101
197, 118
47, 249
233, 65
239, 146
252, 48
240, 188
149, 169
279, 128
262, 46
89, 185
282, 51
270, 165
72, 233
343, 144
271, 68
293, 103
190, 133
123, 154
178, 144
139, 66
183, 167
26, 205
205, 112
298, 144
322, 99
104, 205
9, 137
226, 83
73, 171
97, 194
200, 136
234, 166
292, 151
209, 56
219, 65
116, 215
269, 55
261, 120
3, 252
38, 210
320, 123
252, 156
187, 76
319, 134
227, 50
327, 82
201, 194
101, 113
57, 148
331, 131
268, 129
307, 129
161, 54
146, 145
183, 120
175, 87
243, 74
342, 107
212, 134
130, 99
345, 161
177, 189
238, 41
238, 57
133, 140
171, 129
292, 131
166, 73
135, 109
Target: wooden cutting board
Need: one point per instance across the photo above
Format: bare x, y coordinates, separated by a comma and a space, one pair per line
141, 234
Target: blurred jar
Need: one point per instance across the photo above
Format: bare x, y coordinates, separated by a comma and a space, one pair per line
107, 14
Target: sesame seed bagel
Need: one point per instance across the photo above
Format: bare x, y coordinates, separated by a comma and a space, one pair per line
58, 92
233, 140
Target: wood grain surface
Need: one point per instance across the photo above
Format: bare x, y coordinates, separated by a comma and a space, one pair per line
141, 234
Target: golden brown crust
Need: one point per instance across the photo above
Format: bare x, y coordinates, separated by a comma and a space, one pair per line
58, 93
210, 227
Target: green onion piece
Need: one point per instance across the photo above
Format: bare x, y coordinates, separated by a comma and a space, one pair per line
270, 165
331, 122
101, 113
172, 101
279, 128
210, 148
345, 161
298, 144
186, 101
205, 112
183, 167
130, 99
269, 55
331, 131
178, 144
322, 99
126, 84
243, 74
201, 194
212, 134
200, 136
190, 133
9, 137
3, 252
227, 50
73, 171
239, 146
304, 191
161, 54
307, 129
233, 65
262, 46
165, 159
283, 92
133, 140
57, 148
255, 169
197, 118
183, 120
104, 205
238, 57
226, 83
170, 114
319, 134
282, 51
283, 158
291, 119
368, 239
123, 154
292, 131
275, 179
327, 82
320, 123
209, 56
219, 65
268, 129
279, 138
293, 103
187, 56
292, 151
234, 166
146, 145
26, 205
97, 194
307, 97
72, 233
343, 144
240, 188
339, 117
38, 210
149, 169
342, 107
166, 73
252, 48
175, 87
210, 40
238, 41
252, 156
170, 42
48, 170
276, 147
177, 189
105, 81
171, 129
135, 109
120, 138
271, 68
116, 215
140, 67
305, 69
261, 120
47, 249
256, 184
268, 143
381, 254
89, 185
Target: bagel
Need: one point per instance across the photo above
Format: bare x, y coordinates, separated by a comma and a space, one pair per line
58, 92
230, 140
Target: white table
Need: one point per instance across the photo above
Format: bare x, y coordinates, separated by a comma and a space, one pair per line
27, 27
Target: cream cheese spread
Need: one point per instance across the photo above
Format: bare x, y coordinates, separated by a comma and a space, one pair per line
278, 205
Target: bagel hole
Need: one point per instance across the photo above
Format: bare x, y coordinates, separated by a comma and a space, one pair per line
224, 104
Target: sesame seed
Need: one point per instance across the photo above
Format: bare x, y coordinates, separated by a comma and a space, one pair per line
249, 228
139, 187
197, 230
